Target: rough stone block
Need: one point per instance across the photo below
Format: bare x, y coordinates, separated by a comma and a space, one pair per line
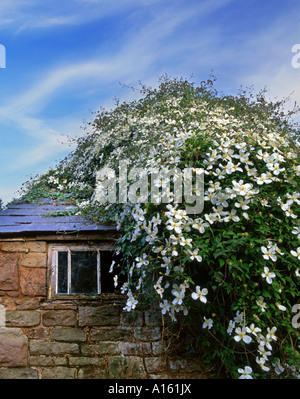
60, 361
111, 334
59, 318
9, 277
108, 315
18, 374
40, 361
27, 246
132, 319
156, 364
88, 373
13, 347
159, 348
2, 316
12, 294
38, 333
135, 349
87, 361
33, 281
52, 348
187, 364
103, 348
68, 334
7, 302
147, 334
19, 318
58, 373
27, 304
129, 367
33, 259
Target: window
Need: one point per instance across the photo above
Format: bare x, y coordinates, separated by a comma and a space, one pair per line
81, 270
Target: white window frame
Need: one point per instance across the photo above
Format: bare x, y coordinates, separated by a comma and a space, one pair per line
54, 249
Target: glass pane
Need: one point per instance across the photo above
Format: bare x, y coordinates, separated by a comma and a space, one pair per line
84, 272
107, 282
62, 273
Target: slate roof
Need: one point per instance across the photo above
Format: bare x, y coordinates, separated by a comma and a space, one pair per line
34, 218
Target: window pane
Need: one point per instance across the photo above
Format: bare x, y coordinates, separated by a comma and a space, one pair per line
84, 272
107, 282
62, 273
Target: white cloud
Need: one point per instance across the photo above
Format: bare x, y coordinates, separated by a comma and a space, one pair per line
136, 60
151, 46
142, 50
23, 15
270, 60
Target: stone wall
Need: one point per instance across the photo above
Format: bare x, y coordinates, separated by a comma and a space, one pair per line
76, 339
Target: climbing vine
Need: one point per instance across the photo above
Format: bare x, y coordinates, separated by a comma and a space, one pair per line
231, 270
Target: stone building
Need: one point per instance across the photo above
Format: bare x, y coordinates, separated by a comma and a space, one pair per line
60, 316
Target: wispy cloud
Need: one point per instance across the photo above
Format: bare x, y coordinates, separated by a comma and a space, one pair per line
36, 14
136, 60
147, 46
267, 57
174, 36
22, 15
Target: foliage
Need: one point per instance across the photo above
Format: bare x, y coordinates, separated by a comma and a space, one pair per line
232, 272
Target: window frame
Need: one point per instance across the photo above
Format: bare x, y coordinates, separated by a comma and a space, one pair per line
54, 249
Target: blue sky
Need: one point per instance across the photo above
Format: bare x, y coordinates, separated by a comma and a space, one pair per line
65, 59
